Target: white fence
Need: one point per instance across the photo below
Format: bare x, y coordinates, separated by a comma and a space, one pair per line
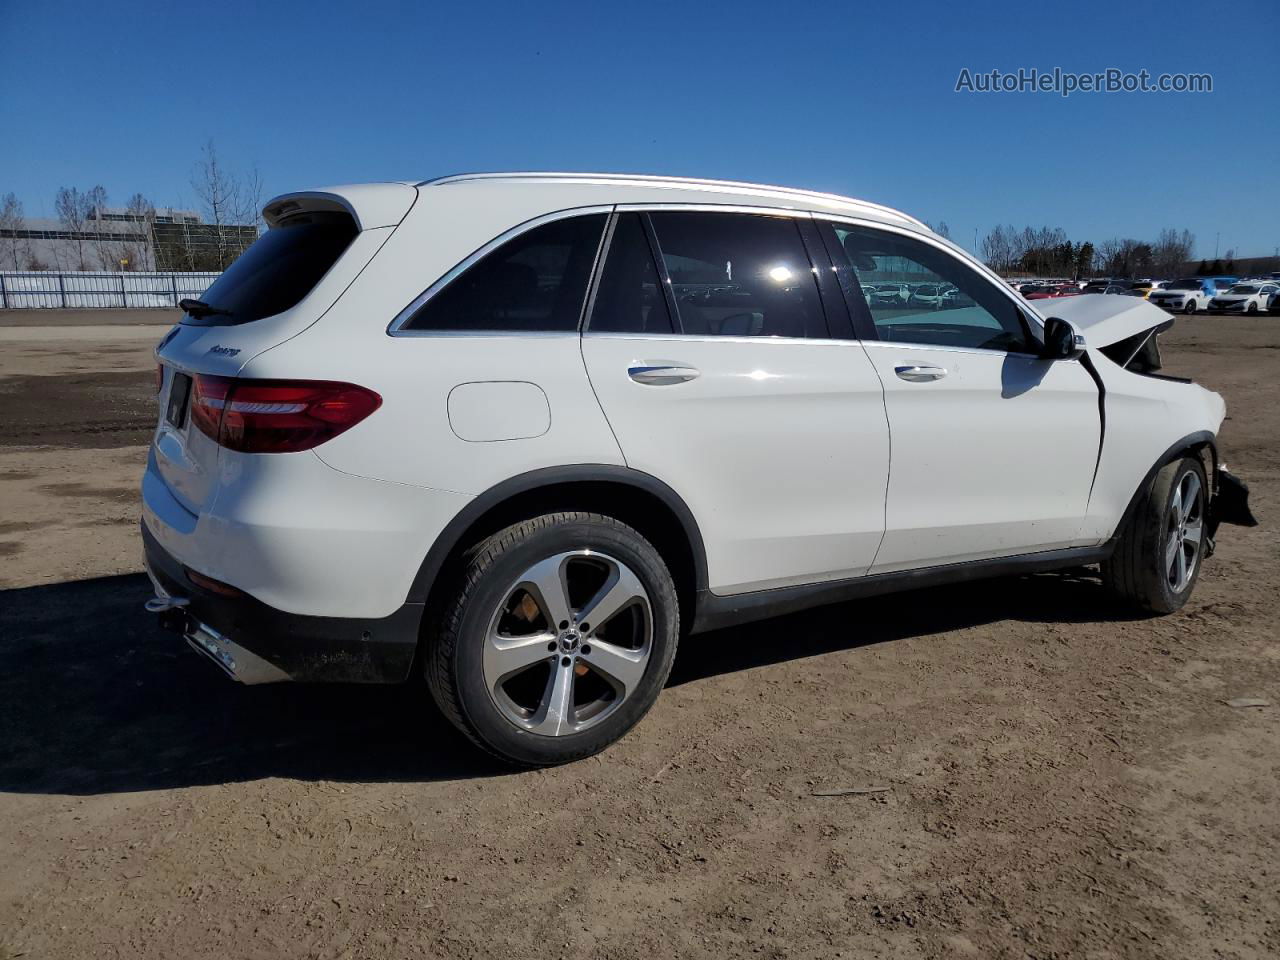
87, 290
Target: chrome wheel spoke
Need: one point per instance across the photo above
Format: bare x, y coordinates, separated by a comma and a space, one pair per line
1180, 567
1190, 493
504, 656
545, 581
1171, 552
1193, 531
554, 715
619, 591
623, 667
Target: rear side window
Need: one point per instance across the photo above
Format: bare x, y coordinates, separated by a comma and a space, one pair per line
534, 282
278, 270
739, 275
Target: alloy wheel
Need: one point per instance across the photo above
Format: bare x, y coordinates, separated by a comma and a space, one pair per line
1184, 531
569, 643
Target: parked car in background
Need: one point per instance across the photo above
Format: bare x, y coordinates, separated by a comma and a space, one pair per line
1101, 286
928, 295
891, 294
1273, 305
1244, 298
1053, 292
1142, 288
1115, 288
1223, 282
1185, 296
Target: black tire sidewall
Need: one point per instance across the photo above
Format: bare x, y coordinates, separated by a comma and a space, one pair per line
498, 733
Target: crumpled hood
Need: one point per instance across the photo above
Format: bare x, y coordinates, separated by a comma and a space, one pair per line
1104, 319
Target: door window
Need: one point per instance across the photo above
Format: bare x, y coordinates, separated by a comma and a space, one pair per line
533, 282
917, 293
739, 275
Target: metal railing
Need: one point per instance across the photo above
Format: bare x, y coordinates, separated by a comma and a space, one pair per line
89, 290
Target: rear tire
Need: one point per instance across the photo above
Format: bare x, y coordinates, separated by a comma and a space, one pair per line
518, 664
1157, 561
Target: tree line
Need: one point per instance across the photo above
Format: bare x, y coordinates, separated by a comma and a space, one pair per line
229, 201
1048, 252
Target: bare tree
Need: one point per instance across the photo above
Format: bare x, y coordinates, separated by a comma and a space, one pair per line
943, 230
73, 208
995, 249
222, 197
251, 208
142, 218
1172, 250
12, 222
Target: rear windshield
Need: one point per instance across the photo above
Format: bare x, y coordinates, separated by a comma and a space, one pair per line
278, 270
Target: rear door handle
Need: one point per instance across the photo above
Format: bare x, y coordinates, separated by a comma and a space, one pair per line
661, 373
919, 374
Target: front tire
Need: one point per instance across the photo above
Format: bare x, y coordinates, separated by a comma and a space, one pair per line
1190, 307
1157, 561
1252, 309
557, 640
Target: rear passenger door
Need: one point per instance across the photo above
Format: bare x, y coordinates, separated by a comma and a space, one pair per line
708, 346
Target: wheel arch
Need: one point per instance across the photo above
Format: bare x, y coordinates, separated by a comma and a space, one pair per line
1200, 444
638, 499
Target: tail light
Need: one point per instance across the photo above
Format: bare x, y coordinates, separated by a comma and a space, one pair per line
277, 416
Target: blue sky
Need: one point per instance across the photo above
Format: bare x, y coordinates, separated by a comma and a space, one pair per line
850, 97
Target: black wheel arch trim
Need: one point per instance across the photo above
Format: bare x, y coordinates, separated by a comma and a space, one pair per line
450, 538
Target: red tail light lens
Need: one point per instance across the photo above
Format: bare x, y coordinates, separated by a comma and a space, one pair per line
277, 416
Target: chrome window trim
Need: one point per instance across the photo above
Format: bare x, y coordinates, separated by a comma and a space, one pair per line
951, 348
395, 328
703, 338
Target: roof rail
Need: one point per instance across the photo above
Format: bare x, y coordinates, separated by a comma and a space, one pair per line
643, 178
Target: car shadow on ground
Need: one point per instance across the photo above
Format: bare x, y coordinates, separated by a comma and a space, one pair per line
95, 698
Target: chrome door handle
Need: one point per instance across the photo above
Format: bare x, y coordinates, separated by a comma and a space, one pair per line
660, 373
919, 374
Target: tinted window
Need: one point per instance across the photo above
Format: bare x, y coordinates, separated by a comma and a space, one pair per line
629, 298
278, 270
535, 281
739, 275
970, 312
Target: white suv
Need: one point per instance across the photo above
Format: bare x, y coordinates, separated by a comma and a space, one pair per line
522, 432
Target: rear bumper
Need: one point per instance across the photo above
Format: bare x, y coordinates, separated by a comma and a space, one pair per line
256, 643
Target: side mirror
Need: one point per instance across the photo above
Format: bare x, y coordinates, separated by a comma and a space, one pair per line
1061, 342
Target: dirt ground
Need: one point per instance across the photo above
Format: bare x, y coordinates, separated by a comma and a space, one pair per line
1063, 780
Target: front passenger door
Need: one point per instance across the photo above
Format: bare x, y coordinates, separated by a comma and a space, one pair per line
993, 448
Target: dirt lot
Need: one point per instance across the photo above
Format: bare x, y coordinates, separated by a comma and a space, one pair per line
1063, 780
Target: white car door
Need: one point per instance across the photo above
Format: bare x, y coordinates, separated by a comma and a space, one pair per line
994, 448
708, 348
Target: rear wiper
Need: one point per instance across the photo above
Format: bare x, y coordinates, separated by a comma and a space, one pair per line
198, 308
